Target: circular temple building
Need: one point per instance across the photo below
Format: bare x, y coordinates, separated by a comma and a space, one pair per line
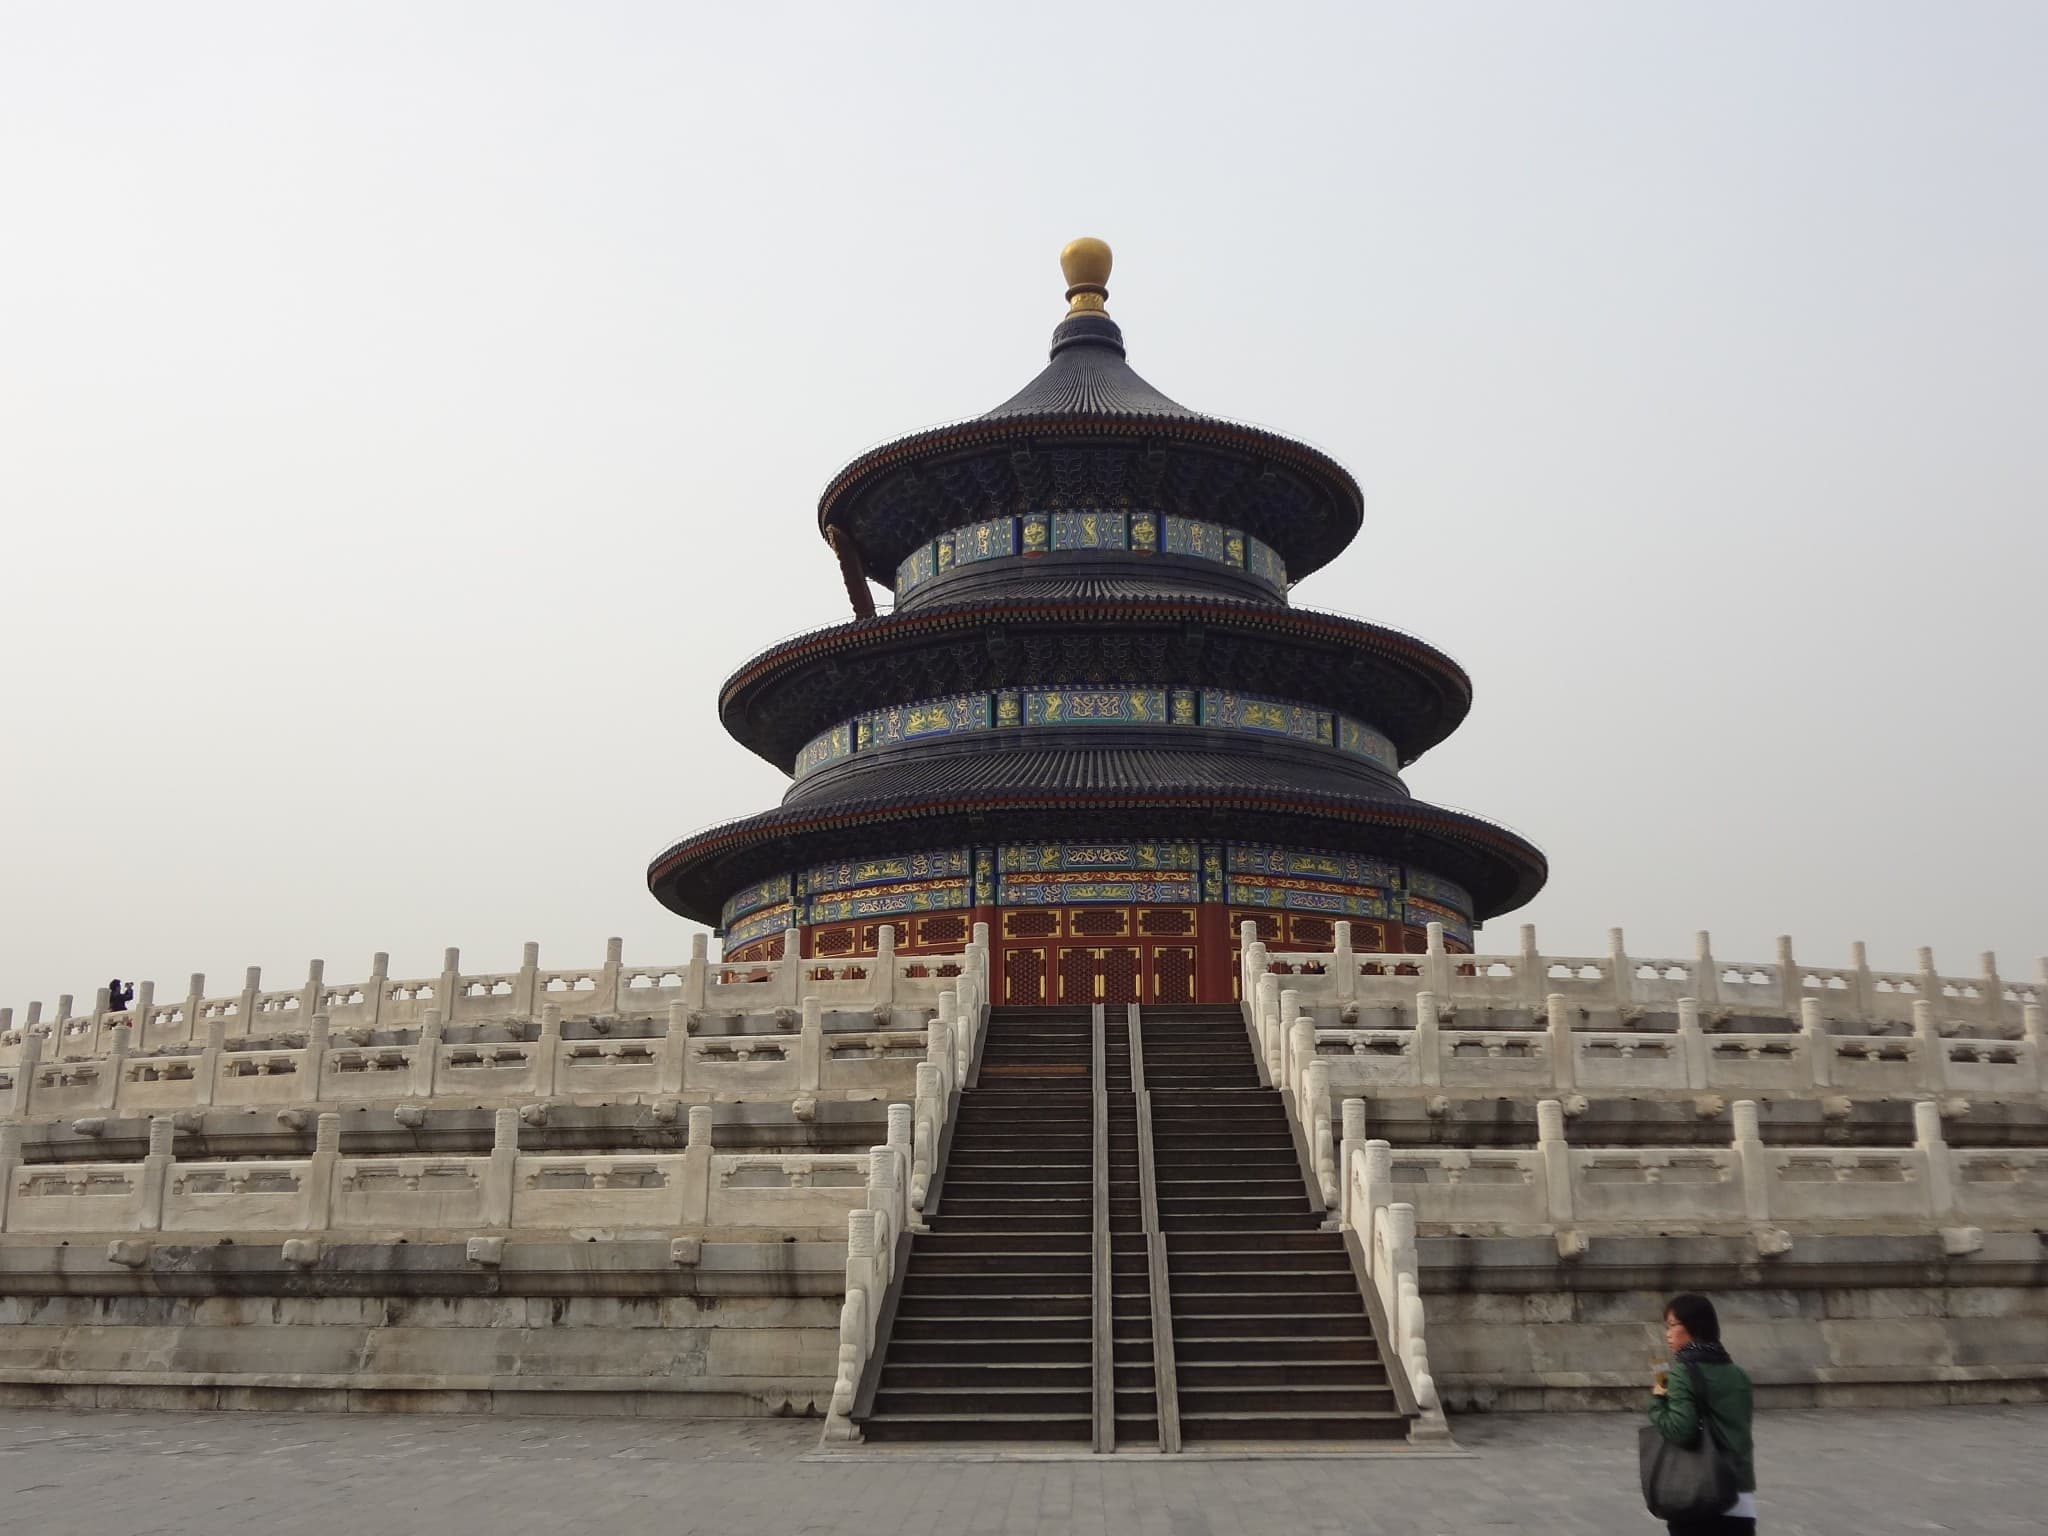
1093, 720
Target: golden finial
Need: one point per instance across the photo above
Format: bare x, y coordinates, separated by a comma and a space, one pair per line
1086, 265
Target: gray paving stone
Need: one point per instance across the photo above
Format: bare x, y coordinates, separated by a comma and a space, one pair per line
1973, 1470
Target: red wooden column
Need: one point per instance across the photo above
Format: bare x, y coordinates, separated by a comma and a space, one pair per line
1212, 952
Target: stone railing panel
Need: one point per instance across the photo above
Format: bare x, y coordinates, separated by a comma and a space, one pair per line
2006, 1187
1823, 1185
405, 1194
1656, 1187
268, 1196
80, 1197
1474, 1058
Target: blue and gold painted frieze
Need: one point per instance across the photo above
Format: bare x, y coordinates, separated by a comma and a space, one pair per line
914, 722
1095, 706
1266, 717
773, 891
1016, 858
1080, 529
1080, 874
1357, 739
1170, 872
892, 900
991, 540
1421, 913
1314, 864
760, 925
941, 864
1123, 704
1312, 896
1443, 892
1080, 890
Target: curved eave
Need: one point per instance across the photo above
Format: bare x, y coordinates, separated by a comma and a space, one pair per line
1502, 870
748, 689
836, 505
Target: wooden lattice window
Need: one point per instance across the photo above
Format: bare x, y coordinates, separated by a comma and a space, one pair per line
1099, 922
949, 928
1166, 922
832, 941
1120, 976
1024, 976
1267, 924
1314, 932
1030, 924
1173, 974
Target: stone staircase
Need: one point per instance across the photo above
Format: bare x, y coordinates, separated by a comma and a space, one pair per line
1256, 1330
992, 1336
1271, 1338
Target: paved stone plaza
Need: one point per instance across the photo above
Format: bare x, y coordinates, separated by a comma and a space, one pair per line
1837, 1474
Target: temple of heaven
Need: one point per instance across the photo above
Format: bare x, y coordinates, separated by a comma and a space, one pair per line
1092, 719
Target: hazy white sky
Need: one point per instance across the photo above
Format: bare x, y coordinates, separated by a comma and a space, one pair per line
409, 414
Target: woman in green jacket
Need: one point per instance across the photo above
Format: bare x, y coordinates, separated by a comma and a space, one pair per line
1692, 1332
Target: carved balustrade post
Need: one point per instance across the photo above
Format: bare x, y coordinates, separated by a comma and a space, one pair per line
1351, 1148
1530, 982
1621, 975
1436, 961
449, 988
1993, 990
810, 1047
145, 1005
882, 988
245, 1015
697, 1167
1706, 974
318, 1203
697, 977
1692, 1045
1557, 1023
501, 1176
211, 1061
2035, 1033
1556, 1154
25, 1064
672, 1061
608, 983
1863, 991
547, 1063
1930, 1049
1932, 1145
1790, 990
1929, 978
310, 1001
1346, 965
1266, 1022
1429, 1042
156, 1174
380, 978
1819, 1042
526, 990
10, 1160
1754, 1160
426, 1054
319, 1039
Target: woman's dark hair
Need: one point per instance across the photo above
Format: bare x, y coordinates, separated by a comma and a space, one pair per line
1697, 1314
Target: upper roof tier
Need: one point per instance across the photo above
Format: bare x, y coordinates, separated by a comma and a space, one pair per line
1090, 434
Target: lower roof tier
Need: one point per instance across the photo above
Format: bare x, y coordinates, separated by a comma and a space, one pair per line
1500, 870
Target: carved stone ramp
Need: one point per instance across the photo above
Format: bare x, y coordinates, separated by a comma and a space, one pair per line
1271, 1337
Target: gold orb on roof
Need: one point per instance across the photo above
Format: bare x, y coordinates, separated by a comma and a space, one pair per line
1085, 263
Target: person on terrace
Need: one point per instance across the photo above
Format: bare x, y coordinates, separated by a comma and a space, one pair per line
1720, 1393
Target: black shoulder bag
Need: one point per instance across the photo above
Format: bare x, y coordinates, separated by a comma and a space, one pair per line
1687, 1480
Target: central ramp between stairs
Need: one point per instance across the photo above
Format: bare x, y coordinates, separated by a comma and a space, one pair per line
1122, 1253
